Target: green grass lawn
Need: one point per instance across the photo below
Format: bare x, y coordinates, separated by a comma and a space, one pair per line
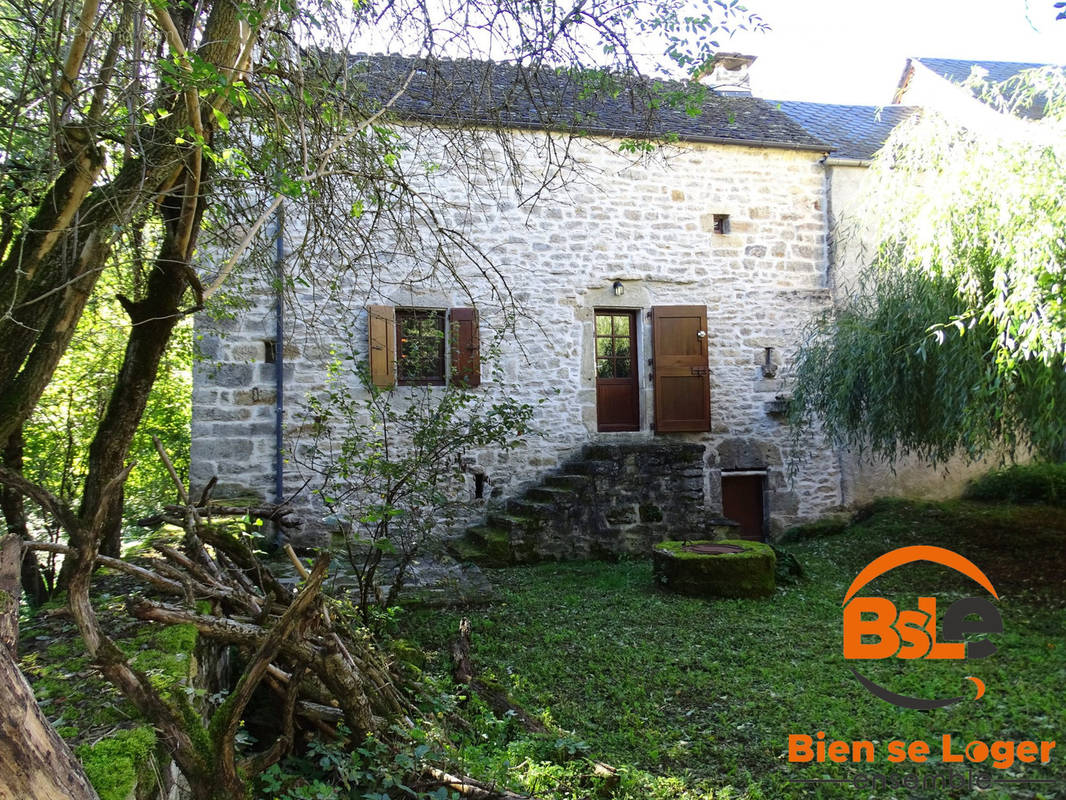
696, 698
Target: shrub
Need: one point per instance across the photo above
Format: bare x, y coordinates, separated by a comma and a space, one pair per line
1022, 483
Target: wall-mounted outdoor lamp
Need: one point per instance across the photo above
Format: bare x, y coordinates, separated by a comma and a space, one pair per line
618, 288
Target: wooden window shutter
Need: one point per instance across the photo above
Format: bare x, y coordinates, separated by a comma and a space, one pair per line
682, 379
466, 356
381, 323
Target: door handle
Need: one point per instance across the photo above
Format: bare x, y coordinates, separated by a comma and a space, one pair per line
701, 334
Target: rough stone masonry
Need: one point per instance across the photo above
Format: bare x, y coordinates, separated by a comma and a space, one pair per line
650, 226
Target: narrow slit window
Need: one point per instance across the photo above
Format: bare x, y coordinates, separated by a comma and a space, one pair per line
721, 223
270, 351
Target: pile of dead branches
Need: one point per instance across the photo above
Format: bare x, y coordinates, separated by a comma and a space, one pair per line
324, 671
326, 675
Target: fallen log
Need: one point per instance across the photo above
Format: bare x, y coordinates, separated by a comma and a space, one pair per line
469, 787
495, 697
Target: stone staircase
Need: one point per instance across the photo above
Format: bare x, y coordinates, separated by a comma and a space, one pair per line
611, 500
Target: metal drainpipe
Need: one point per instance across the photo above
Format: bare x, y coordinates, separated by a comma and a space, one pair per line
279, 363
832, 275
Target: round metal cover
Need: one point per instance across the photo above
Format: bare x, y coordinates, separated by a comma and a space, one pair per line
712, 549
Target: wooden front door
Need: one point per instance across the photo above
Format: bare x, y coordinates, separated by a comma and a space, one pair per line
682, 378
617, 399
742, 501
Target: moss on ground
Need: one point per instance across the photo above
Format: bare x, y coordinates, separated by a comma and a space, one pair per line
164, 654
117, 764
86, 709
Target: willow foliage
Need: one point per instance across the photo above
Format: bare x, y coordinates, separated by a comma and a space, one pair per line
955, 338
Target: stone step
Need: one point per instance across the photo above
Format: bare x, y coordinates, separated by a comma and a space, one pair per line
601, 452
590, 467
532, 509
512, 523
567, 481
553, 495
486, 534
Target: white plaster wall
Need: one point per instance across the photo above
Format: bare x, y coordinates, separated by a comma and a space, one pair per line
851, 236
649, 226
865, 477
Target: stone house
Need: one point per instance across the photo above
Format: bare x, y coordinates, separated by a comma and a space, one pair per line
660, 300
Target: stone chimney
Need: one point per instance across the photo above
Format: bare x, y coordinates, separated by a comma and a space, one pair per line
727, 73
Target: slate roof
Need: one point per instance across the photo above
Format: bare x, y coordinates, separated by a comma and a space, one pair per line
959, 70
852, 131
463, 91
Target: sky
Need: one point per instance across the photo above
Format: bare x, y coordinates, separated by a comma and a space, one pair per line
853, 51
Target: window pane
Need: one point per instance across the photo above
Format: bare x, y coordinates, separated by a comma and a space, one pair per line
420, 349
604, 368
622, 367
603, 348
603, 325
621, 347
621, 325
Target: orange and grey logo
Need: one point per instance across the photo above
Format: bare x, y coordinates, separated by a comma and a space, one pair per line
875, 629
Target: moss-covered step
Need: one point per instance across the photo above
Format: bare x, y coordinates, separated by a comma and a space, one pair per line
574, 483
554, 496
746, 571
484, 546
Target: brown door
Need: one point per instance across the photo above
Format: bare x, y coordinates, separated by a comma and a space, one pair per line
617, 405
682, 380
742, 502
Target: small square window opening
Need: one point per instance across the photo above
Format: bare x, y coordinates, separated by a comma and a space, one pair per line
721, 223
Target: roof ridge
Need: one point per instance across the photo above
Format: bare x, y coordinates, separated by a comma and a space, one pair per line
979, 61
481, 91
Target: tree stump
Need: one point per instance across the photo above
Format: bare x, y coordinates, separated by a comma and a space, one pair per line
726, 568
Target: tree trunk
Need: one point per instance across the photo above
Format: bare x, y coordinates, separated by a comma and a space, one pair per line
10, 555
153, 320
111, 529
13, 506
34, 761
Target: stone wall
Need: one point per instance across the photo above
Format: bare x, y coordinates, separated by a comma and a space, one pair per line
649, 225
611, 500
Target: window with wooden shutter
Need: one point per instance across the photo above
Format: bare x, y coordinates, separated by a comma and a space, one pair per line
679, 360
408, 346
381, 323
466, 355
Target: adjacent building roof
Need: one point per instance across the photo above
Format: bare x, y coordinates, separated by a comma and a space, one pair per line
854, 132
958, 71
509, 95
